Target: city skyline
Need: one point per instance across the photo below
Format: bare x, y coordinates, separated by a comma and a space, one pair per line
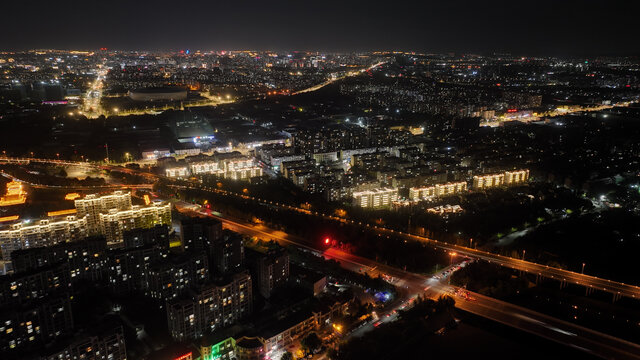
572, 28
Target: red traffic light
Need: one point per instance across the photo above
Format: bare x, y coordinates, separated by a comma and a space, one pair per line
327, 241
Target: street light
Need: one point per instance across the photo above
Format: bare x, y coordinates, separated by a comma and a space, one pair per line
523, 252
452, 254
583, 264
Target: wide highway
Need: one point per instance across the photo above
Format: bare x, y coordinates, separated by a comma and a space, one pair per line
618, 289
578, 337
593, 282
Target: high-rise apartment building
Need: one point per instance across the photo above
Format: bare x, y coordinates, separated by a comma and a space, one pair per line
108, 344
86, 258
271, 270
430, 192
35, 323
227, 253
174, 276
375, 198
109, 215
506, 178
210, 307
129, 269
116, 222
33, 285
45, 232
198, 234
93, 205
488, 181
516, 177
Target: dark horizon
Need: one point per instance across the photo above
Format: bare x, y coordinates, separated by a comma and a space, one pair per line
573, 28
338, 51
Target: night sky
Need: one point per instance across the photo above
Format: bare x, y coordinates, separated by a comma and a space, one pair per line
558, 27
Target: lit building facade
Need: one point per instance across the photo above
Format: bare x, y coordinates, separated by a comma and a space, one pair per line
244, 168
15, 194
375, 198
223, 350
177, 172
516, 177
114, 223
109, 215
235, 167
207, 167
422, 193
507, 178
488, 181
430, 192
44, 232
93, 205
450, 188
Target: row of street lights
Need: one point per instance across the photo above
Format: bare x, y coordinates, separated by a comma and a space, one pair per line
583, 264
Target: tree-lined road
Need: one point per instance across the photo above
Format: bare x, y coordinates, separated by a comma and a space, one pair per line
508, 314
618, 289
530, 321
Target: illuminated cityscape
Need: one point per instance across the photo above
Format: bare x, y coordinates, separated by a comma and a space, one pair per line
327, 181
